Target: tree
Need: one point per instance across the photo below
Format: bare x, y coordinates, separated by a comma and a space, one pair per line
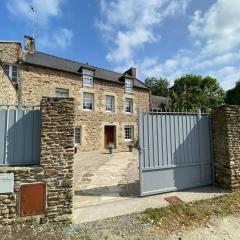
193, 91
159, 87
233, 95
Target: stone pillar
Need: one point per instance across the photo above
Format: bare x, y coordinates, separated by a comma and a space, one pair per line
57, 155
226, 146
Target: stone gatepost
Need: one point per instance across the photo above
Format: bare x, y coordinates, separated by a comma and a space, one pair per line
226, 146
57, 155
53, 177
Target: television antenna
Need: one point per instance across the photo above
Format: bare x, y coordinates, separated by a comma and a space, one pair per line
33, 11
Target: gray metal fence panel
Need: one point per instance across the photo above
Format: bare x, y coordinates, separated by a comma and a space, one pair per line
19, 136
175, 151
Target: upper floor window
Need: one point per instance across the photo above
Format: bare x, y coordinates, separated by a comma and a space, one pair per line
109, 103
128, 85
88, 101
88, 77
61, 92
128, 105
12, 72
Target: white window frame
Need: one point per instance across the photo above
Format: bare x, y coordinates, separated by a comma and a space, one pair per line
62, 92
128, 135
79, 142
86, 101
128, 85
131, 106
108, 99
9, 69
87, 77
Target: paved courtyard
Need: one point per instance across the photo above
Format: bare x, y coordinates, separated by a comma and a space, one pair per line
101, 177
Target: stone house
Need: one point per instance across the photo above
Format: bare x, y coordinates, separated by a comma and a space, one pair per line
106, 102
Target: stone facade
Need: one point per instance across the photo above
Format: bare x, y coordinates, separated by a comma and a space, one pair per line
39, 81
36, 82
226, 146
8, 93
55, 169
10, 52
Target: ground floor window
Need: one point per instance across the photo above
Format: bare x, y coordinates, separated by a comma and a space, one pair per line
128, 132
77, 135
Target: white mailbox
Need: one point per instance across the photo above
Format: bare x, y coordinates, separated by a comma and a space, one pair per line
6, 182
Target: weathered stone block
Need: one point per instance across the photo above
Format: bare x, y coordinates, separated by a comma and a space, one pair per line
56, 161
226, 146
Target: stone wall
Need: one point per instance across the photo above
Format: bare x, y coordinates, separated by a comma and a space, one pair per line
7, 93
37, 81
55, 169
10, 52
226, 146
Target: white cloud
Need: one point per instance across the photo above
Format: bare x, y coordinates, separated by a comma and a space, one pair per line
229, 75
215, 36
46, 36
127, 42
130, 24
45, 9
218, 28
60, 38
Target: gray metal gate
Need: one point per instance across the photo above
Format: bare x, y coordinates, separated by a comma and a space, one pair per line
19, 135
175, 151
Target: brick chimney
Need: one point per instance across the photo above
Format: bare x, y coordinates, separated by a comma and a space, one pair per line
29, 44
132, 72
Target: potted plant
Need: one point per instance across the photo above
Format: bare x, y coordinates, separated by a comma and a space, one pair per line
111, 146
131, 146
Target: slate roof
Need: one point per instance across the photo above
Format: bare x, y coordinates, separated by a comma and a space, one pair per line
50, 61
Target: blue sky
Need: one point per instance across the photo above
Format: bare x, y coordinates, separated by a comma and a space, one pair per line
161, 38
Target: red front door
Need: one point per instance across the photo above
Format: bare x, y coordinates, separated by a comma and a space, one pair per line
109, 135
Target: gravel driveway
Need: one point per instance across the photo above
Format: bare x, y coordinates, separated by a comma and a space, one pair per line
127, 227
101, 177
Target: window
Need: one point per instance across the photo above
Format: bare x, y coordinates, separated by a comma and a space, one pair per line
12, 72
109, 103
61, 92
128, 131
128, 85
77, 135
88, 77
87, 101
128, 105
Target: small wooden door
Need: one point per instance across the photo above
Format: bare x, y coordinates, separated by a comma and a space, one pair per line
109, 135
32, 199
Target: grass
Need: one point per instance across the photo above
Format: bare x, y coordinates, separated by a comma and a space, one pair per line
194, 214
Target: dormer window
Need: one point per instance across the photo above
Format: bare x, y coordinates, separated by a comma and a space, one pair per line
12, 72
88, 77
128, 85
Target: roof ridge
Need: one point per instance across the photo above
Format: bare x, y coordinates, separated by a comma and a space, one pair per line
60, 63
74, 61
9, 41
